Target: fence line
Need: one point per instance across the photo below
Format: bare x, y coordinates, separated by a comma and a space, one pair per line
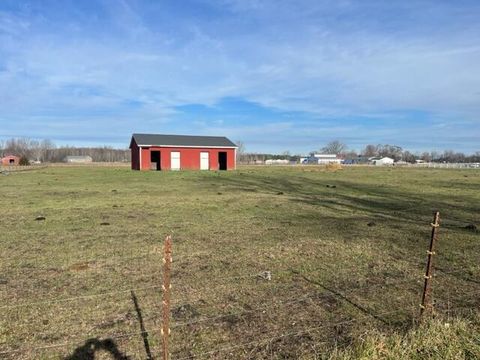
136, 333
21, 168
166, 330
79, 297
155, 329
292, 333
427, 304
310, 297
102, 261
187, 293
289, 301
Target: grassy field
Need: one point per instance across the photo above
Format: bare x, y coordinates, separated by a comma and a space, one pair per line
346, 252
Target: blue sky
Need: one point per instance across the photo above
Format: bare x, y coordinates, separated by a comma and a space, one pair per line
277, 75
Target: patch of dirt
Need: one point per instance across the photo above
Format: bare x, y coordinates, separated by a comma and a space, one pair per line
109, 323
184, 312
79, 266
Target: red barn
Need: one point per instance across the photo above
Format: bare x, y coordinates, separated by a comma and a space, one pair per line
10, 160
182, 152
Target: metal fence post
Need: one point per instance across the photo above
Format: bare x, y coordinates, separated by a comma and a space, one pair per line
167, 262
427, 304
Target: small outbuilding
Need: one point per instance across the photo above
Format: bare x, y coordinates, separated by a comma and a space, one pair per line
384, 161
10, 160
74, 159
322, 159
182, 152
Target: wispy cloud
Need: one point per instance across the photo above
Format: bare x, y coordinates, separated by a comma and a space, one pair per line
363, 71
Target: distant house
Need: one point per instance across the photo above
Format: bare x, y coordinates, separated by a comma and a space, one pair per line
10, 160
277, 162
78, 159
382, 161
322, 159
356, 160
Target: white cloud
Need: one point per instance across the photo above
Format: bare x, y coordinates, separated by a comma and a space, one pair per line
285, 55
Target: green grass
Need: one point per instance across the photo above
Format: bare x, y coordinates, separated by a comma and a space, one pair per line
332, 273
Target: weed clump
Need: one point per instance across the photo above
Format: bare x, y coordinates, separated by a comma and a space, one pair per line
434, 339
23, 161
333, 167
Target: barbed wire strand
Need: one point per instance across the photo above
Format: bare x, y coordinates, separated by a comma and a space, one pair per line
127, 335
188, 293
79, 297
292, 333
264, 307
103, 261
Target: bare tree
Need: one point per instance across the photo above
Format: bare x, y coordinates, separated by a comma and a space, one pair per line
391, 151
350, 154
240, 150
47, 147
409, 157
334, 147
35, 150
370, 150
434, 156
426, 156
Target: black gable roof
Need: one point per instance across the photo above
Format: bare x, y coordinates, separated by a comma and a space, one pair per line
181, 140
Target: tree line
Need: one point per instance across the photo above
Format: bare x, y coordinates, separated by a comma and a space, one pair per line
381, 150
399, 154
47, 151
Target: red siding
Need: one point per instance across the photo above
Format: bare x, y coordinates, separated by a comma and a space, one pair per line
189, 157
135, 157
10, 160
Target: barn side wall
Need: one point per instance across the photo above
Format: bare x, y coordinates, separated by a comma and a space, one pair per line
135, 156
6, 160
189, 157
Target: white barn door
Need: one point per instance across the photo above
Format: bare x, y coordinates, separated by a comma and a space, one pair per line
204, 162
175, 160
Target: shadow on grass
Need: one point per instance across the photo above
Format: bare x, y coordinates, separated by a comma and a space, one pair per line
344, 298
142, 327
89, 349
352, 196
91, 346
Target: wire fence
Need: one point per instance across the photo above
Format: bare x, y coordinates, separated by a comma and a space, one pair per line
128, 320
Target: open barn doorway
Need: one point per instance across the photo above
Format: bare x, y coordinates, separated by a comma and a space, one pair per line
155, 160
222, 160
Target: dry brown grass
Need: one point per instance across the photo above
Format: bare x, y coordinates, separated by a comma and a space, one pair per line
333, 274
333, 167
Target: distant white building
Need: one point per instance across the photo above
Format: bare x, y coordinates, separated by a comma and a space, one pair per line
327, 159
277, 162
382, 161
78, 159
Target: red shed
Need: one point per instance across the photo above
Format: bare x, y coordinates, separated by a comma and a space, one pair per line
10, 160
182, 152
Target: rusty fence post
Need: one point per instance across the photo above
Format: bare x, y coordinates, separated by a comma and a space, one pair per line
167, 262
427, 304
